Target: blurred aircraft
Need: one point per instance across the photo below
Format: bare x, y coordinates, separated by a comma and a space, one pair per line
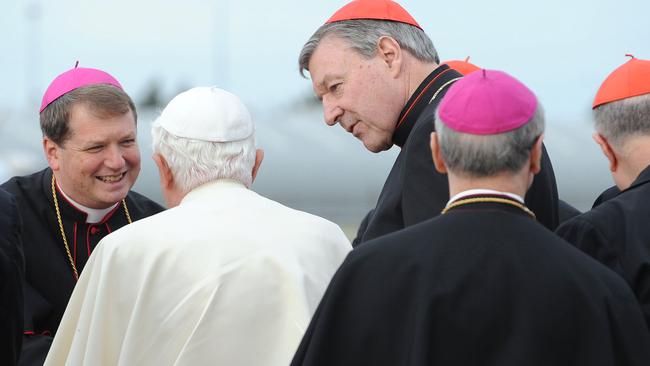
320, 169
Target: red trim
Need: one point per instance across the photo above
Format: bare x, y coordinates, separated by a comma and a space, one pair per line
420, 96
110, 213
68, 201
75, 243
105, 218
108, 228
88, 239
43, 333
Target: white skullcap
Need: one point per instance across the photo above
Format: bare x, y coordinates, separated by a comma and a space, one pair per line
207, 114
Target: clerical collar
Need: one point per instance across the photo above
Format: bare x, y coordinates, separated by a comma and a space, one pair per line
93, 215
473, 196
428, 90
478, 192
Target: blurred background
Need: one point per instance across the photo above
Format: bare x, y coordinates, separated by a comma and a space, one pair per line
562, 50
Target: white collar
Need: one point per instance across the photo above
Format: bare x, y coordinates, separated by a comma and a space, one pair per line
473, 192
93, 215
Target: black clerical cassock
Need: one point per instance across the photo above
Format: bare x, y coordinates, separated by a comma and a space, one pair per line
483, 284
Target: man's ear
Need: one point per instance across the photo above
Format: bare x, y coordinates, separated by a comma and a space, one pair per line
52, 152
259, 156
164, 172
607, 149
391, 53
536, 155
437, 156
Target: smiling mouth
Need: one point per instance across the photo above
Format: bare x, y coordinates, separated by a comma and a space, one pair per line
111, 178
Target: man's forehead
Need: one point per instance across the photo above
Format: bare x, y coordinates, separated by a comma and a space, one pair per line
329, 60
87, 111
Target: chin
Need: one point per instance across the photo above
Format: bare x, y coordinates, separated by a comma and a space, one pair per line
376, 148
113, 197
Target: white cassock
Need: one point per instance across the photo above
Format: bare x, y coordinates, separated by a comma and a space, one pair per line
228, 277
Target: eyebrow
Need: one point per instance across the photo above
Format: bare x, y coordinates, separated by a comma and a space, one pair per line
322, 84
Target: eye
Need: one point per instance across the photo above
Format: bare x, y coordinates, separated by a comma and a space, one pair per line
94, 148
128, 142
334, 87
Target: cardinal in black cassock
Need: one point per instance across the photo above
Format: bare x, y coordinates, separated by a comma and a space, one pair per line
484, 283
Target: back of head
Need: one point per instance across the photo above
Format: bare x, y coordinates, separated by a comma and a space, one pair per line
96, 89
622, 104
205, 134
362, 22
487, 124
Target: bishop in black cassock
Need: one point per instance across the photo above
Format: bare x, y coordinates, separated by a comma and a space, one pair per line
484, 283
616, 231
49, 278
89, 139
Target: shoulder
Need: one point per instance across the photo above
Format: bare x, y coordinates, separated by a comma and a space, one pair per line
410, 241
607, 216
21, 185
6, 198
288, 214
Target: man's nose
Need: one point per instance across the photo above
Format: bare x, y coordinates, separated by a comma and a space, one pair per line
332, 112
114, 158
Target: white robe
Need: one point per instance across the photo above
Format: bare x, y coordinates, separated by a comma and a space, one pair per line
228, 277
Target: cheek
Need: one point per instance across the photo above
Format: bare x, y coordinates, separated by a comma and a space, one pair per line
132, 157
91, 165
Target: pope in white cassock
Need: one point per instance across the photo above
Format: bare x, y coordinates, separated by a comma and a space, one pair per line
223, 277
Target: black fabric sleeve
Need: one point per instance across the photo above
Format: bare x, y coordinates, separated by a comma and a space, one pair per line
12, 273
586, 237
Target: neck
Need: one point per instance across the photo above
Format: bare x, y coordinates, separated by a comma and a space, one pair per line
418, 71
173, 196
516, 183
93, 215
634, 157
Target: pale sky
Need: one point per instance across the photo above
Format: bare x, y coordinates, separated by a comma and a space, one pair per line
561, 49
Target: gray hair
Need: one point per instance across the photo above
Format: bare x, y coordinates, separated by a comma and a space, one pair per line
624, 118
195, 162
363, 35
486, 155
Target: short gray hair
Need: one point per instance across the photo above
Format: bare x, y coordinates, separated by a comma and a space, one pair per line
621, 119
196, 162
363, 35
486, 155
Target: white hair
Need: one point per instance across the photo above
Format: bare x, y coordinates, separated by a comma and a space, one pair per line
196, 162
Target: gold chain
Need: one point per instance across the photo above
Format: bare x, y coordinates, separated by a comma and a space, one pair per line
442, 87
65, 241
489, 199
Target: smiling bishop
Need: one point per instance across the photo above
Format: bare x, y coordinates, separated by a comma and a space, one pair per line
89, 139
